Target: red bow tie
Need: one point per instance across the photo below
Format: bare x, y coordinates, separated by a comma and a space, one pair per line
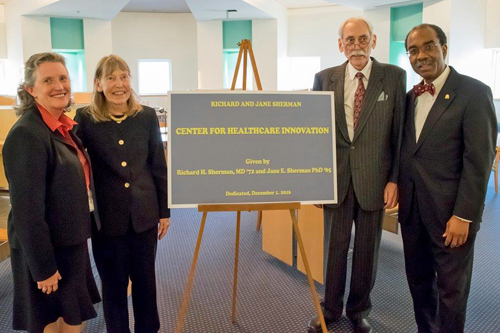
419, 89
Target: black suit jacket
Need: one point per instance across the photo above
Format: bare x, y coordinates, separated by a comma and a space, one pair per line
50, 206
371, 159
449, 167
144, 202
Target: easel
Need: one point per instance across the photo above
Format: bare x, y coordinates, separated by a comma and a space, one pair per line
246, 48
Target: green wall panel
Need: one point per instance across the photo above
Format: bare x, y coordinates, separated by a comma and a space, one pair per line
234, 31
403, 19
66, 33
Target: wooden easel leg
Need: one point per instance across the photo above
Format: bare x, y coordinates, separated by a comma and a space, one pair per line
187, 292
245, 55
259, 220
254, 66
308, 271
236, 258
235, 76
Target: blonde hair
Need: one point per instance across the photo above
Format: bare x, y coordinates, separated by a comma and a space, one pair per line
98, 108
27, 101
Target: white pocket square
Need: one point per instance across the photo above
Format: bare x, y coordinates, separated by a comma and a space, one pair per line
382, 97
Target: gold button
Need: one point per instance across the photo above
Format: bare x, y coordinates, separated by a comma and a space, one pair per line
121, 142
127, 185
124, 164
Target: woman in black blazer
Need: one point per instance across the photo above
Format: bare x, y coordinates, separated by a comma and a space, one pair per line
123, 139
50, 187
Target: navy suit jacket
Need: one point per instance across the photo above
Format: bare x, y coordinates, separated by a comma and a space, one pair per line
449, 166
48, 193
137, 142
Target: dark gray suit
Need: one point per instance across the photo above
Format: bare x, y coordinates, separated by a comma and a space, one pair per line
364, 167
445, 173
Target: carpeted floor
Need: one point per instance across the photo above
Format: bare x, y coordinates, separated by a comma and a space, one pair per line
273, 297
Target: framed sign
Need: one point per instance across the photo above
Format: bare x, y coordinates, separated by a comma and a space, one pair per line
251, 147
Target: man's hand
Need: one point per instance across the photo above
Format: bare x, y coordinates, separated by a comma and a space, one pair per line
164, 224
456, 232
390, 195
51, 284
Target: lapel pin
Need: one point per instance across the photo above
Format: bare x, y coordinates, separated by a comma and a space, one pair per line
447, 96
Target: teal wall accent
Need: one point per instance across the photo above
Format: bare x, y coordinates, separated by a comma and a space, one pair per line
234, 31
403, 19
66, 33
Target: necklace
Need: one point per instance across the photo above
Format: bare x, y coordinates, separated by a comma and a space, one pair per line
118, 120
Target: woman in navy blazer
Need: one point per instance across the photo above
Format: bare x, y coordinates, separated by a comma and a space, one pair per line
123, 139
50, 187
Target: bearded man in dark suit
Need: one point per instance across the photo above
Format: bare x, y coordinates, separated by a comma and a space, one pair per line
369, 110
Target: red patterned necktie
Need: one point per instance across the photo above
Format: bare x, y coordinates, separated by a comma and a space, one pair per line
358, 99
419, 89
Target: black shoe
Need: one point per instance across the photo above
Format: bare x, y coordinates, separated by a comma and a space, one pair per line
361, 325
314, 325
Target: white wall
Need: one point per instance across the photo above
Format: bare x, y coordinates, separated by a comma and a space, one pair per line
493, 24
467, 51
209, 39
3, 34
381, 20
313, 32
36, 35
280, 33
265, 49
14, 63
98, 43
158, 36
438, 12
467, 41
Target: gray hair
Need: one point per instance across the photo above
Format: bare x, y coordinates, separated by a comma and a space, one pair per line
26, 101
354, 19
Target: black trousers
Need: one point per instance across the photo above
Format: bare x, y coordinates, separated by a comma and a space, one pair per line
338, 228
119, 258
439, 277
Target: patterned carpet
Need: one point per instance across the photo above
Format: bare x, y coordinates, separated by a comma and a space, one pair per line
273, 297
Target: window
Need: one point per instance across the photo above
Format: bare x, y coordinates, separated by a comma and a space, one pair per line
496, 74
155, 76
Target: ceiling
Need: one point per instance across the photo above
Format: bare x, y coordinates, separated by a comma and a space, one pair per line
373, 4
157, 6
202, 10
183, 6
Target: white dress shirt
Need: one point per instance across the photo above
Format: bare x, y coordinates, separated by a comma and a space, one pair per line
350, 86
424, 102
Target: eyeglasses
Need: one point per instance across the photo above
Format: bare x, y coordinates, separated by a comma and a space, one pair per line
363, 42
414, 51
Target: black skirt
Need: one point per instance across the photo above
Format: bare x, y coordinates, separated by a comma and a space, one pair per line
74, 299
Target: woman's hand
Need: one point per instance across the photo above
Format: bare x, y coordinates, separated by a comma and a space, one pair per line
51, 284
163, 227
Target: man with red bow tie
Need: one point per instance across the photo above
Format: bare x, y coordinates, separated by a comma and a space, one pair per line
446, 157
